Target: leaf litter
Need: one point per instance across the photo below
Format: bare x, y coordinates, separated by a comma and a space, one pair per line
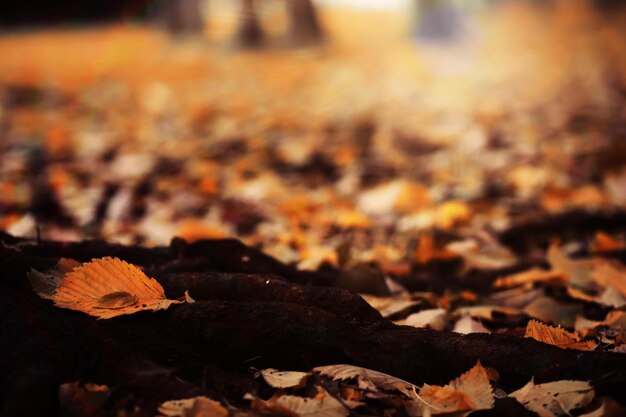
417, 197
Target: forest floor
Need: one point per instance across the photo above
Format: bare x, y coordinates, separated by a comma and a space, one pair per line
474, 188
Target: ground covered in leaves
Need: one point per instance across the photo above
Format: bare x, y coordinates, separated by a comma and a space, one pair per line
474, 188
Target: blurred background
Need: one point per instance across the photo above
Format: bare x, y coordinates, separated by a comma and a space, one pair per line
329, 132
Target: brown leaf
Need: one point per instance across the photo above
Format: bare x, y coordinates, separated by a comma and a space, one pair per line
556, 336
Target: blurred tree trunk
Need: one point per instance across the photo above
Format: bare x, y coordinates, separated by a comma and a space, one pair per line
182, 16
303, 22
438, 20
249, 33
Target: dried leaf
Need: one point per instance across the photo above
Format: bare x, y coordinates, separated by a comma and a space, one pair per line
486, 312
554, 399
104, 288
326, 406
470, 391
467, 325
549, 310
476, 257
615, 319
46, 284
388, 306
192, 407
367, 378
608, 274
556, 336
578, 272
435, 319
605, 243
609, 297
526, 277
284, 379
323, 405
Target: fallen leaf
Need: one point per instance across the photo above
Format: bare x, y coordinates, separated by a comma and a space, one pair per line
326, 406
517, 297
556, 336
609, 297
103, 288
192, 407
435, 319
608, 274
486, 312
606, 243
470, 391
283, 379
467, 325
578, 271
549, 310
452, 213
427, 251
554, 399
388, 306
531, 276
613, 319
46, 284
481, 258
367, 378
322, 405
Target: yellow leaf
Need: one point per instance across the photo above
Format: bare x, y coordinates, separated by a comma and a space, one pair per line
556, 336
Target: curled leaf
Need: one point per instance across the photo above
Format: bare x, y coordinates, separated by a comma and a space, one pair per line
556, 336
367, 378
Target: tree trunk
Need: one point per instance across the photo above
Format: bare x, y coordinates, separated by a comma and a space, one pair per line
182, 16
304, 26
249, 34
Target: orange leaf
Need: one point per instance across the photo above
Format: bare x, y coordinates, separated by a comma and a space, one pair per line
556, 336
470, 391
104, 288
